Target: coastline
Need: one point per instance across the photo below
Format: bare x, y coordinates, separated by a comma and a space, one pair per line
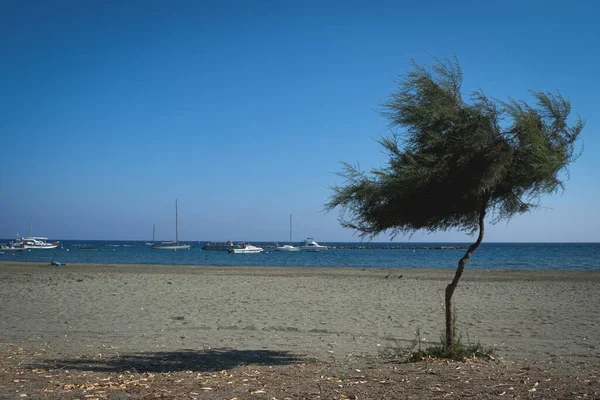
316, 312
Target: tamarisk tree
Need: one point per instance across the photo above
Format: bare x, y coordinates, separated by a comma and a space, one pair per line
454, 161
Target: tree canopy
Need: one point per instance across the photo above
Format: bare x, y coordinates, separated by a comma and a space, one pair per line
451, 159
454, 161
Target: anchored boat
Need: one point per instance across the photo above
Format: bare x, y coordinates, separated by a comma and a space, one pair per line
175, 245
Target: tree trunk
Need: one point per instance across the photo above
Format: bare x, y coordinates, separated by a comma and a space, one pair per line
452, 286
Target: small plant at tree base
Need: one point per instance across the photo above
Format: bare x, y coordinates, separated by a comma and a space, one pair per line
458, 351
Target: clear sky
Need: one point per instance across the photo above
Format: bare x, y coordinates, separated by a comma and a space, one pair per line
110, 110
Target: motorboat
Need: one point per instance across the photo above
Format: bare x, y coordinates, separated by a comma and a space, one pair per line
288, 247
246, 249
12, 246
175, 245
309, 244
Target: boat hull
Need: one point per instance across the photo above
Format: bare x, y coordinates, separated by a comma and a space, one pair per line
40, 247
9, 248
177, 247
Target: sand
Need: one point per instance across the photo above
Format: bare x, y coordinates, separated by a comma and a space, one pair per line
320, 313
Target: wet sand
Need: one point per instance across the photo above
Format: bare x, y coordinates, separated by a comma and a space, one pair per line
314, 312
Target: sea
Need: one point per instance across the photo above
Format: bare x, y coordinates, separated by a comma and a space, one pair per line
489, 256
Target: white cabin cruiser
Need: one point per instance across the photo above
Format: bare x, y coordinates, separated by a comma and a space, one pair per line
309, 244
246, 249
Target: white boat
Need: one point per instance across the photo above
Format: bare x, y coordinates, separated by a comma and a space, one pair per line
309, 244
36, 242
153, 230
246, 249
172, 245
288, 247
12, 246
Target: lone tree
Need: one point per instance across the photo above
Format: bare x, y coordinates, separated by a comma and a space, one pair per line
456, 161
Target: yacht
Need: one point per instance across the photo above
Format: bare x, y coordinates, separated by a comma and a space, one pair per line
36, 242
174, 245
309, 244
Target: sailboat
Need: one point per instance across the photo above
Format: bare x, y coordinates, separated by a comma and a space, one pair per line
288, 247
36, 242
153, 230
173, 245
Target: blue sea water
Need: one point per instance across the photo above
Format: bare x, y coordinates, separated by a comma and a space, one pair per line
490, 256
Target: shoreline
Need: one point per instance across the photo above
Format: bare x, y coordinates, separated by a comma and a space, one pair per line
318, 312
416, 273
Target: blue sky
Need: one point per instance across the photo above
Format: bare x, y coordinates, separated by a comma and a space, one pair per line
243, 110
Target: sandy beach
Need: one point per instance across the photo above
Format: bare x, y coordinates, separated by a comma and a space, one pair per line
156, 331
311, 312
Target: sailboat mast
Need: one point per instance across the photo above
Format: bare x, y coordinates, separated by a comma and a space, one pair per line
290, 229
153, 230
30, 224
176, 224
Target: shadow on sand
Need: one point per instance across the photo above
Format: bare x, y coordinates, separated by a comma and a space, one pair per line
174, 361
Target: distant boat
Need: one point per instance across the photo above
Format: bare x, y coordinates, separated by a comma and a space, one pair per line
172, 245
12, 246
288, 247
221, 246
309, 244
35, 242
153, 230
88, 248
246, 249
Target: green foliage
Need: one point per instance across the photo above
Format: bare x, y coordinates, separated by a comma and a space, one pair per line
455, 159
458, 352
